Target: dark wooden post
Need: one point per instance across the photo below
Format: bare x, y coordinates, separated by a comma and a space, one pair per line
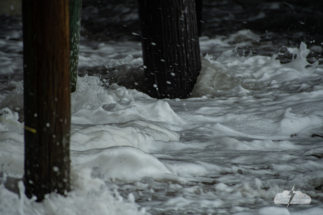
75, 8
46, 96
199, 15
170, 46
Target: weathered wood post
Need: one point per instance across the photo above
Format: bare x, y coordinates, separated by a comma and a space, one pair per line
46, 96
170, 45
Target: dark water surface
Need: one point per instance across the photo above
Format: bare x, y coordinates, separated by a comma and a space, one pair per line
284, 23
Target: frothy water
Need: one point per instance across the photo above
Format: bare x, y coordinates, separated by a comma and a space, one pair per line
252, 129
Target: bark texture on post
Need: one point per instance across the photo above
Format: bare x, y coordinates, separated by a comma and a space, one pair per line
75, 8
170, 45
46, 96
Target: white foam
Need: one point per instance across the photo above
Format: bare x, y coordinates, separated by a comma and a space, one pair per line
138, 134
240, 74
122, 163
96, 202
243, 138
93, 104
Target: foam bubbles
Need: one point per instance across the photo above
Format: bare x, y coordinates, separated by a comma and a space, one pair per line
122, 163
